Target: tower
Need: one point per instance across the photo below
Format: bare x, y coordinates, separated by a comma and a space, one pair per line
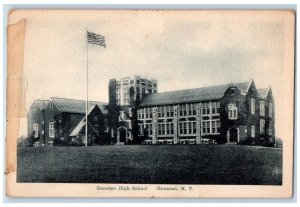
124, 95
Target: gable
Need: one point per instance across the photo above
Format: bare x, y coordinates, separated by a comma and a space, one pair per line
51, 105
34, 107
232, 90
38, 104
270, 94
251, 90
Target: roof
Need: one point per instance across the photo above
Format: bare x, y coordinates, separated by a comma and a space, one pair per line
77, 129
81, 124
77, 106
262, 92
243, 86
41, 103
190, 95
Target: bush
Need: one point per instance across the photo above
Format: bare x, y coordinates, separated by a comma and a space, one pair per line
136, 141
278, 142
23, 141
104, 139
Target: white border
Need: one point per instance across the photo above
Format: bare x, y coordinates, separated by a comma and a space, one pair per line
135, 4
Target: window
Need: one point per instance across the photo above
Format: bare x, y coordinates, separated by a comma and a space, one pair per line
51, 129
270, 109
194, 109
118, 96
150, 113
142, 113
167, 128
171, 128
182, 110
126, 95
270, 130
141, 129
146, 113
252, 106
186, 128
35, 128
139, 114
191, 108
158, 129
208, 108
190, 128
51, 105
121, 116
232, 111
194, 127
204, 127
107, 129
262, 126
169, 111
130, 112
208, 127
218, 127
218, 107
262, 108
180, 128
214, 127
203, 108
150, 129
160, 112
213, 108
161, 129
126, 81
252, 131
112, 132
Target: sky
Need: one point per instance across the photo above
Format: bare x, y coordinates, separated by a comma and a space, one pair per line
181, 51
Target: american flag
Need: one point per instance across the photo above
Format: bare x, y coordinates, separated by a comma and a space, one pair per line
96, 39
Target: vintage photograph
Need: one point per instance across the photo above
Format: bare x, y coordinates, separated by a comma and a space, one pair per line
154, 99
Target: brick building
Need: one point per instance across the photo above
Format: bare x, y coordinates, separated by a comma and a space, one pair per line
123, 94
235, 113
62, 121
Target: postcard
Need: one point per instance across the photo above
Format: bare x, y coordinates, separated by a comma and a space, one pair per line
150, 103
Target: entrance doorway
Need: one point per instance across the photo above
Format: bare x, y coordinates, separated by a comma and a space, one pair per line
233, 135
122, 132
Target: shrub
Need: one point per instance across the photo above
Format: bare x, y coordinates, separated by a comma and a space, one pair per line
23, 141
278, 142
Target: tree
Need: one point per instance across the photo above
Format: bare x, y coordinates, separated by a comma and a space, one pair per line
61, 125
133, 104
113, 108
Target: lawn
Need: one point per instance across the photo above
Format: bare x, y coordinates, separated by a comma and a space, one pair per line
163, 164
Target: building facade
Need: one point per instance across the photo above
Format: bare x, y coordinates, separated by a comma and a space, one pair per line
124, 96
60, 121
225, 114
36, 117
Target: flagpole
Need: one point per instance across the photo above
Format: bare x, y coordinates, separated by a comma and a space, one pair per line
87, 93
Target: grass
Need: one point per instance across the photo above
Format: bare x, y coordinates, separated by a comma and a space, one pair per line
149, 164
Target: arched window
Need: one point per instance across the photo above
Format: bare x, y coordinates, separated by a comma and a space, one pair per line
232, 111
